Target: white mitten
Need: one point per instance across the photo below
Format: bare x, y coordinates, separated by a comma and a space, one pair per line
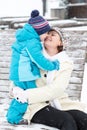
19, 95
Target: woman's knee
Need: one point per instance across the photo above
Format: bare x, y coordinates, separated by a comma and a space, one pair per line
80, 117
69, 122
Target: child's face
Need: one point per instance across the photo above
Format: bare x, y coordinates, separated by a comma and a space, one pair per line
43, 36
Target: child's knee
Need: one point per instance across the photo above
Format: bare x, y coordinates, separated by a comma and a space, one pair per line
16, 111
13, 117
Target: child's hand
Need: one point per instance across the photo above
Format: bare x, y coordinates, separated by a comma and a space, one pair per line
19, 95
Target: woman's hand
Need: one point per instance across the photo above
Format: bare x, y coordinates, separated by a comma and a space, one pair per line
19, 95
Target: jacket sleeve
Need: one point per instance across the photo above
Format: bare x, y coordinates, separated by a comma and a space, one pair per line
34, 50
54, 90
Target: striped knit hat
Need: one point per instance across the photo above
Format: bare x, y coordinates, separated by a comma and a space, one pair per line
38, 23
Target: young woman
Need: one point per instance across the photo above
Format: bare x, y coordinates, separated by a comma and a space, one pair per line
51, 87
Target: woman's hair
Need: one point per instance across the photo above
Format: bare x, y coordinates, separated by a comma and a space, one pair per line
56, 29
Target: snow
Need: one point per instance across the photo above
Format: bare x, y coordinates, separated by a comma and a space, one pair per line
4, 125
77, 4
81, 28
66, 21
84, 86
36, 127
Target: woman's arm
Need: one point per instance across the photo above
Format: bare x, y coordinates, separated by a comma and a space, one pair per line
53, 90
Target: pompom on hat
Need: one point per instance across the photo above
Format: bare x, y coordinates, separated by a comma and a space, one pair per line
38, 23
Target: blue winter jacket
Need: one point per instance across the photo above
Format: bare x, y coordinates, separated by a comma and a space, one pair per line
27, 56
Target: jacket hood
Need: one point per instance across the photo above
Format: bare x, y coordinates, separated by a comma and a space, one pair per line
26, 33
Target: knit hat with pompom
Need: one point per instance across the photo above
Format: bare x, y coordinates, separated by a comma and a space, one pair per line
38, 23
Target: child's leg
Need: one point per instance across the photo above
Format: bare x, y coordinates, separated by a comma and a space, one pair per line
16, 111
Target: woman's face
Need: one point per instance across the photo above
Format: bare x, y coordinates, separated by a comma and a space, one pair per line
52, 40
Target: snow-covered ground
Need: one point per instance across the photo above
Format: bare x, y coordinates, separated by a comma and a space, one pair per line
36, 127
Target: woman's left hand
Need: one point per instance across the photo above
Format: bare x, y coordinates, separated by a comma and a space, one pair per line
19, 95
